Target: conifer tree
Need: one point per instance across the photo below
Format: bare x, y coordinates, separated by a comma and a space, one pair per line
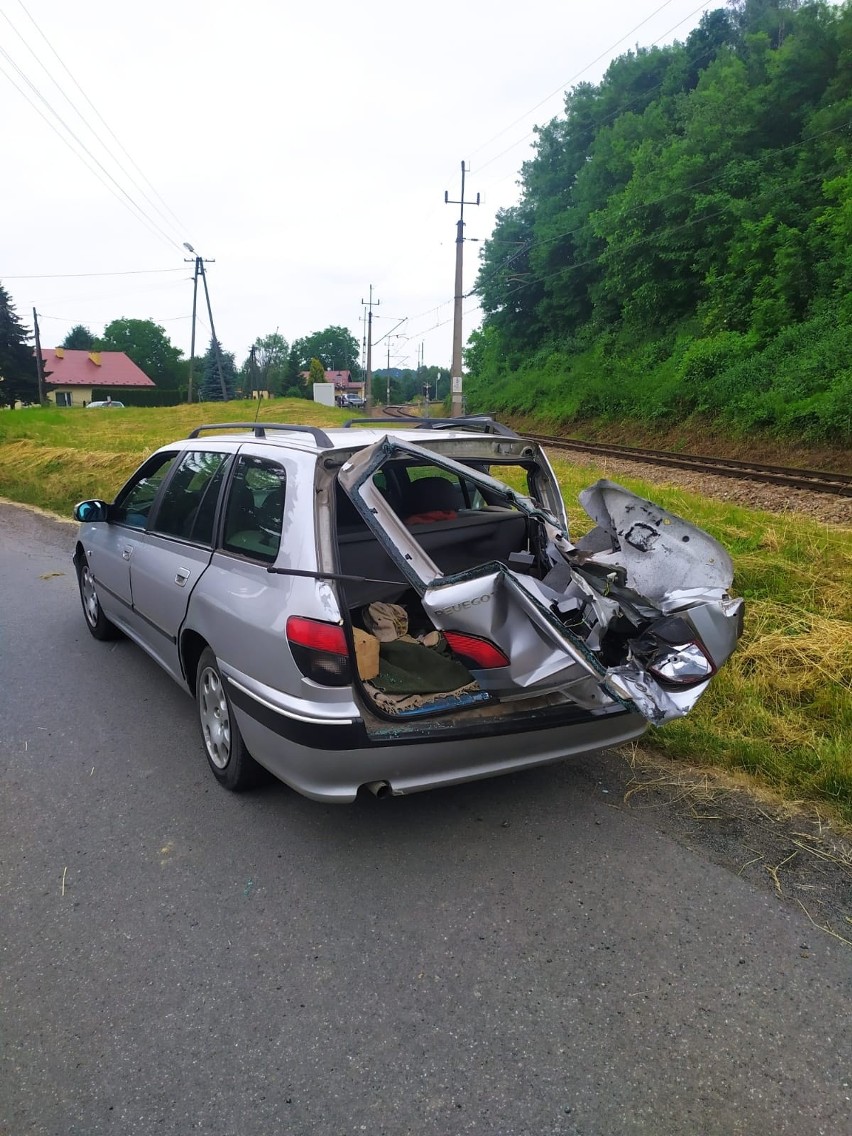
79, 338
210, 389
18, 374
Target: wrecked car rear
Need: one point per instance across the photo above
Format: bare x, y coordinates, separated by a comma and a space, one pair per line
400, 607
634, 616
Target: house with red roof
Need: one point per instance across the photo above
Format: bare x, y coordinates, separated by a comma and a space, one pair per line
342, 381
72, 376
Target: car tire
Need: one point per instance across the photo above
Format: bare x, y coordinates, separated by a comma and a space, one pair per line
97, 623
231, 763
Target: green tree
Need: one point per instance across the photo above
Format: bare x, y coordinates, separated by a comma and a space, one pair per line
271, 354
316, 373
700, 192
294, 372
335, 347
18, 375
79, 338
147, 344
210, 387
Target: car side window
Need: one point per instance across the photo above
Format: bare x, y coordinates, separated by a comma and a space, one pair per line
133, 503
188, 505
254, 513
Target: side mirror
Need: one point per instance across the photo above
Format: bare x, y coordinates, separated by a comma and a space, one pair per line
90, 511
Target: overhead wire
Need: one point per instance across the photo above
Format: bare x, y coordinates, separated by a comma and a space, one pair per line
528, 246
111, 182
561, 88
603, 55
74, 275
181, 227
119, 192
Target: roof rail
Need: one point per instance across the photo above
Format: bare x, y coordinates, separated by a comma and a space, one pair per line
259, 430
479, 422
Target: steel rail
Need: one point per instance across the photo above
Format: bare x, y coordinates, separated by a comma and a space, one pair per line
817, 481
790, 477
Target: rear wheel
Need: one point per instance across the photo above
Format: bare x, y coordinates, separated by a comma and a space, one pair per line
231, 763
96, 621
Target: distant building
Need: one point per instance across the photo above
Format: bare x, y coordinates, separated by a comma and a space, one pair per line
342, 380
343, 383
71, 376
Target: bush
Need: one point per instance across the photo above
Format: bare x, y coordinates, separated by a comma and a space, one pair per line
798, 384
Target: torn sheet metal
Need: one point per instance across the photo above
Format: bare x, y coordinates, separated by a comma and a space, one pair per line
619, 591
514, 613
660, 552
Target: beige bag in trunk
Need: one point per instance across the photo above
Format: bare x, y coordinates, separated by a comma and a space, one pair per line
366, 654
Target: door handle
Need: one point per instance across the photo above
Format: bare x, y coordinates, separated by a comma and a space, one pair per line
181, 576
126, 553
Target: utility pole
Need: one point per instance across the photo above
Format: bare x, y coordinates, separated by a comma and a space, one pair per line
368, 385
39, 360
253, 371
456, 380
199, 263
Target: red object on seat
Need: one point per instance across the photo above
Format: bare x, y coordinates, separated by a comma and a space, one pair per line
435, 515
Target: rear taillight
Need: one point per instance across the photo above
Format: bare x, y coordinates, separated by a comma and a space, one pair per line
479, 654
319, 650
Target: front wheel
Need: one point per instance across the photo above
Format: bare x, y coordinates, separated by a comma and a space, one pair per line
231, 763
96, 621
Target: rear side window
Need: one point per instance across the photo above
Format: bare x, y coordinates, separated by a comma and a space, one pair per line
188, 505
254, 514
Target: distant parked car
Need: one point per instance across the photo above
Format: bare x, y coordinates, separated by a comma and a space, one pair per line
353, 401
379, 608
111, 402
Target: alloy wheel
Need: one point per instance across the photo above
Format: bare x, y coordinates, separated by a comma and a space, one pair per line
215, 717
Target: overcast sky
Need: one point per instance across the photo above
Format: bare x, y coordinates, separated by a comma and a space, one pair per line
305, 147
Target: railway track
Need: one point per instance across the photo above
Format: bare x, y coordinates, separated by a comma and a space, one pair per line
816, 481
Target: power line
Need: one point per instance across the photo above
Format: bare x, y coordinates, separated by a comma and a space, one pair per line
181, 226
637, 99
562, 87
122, 193
638, 241
568, 82
100, 140
76, 275
76, 319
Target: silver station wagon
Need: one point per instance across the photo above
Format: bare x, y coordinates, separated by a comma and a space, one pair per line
398, 605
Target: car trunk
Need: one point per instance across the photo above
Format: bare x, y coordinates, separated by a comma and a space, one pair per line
464, 594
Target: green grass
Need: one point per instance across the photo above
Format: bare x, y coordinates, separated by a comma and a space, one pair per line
779, 711
54, 458
781, 708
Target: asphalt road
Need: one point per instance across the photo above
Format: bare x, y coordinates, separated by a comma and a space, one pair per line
513, 956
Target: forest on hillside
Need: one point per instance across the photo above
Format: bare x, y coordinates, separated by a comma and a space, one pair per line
681, 246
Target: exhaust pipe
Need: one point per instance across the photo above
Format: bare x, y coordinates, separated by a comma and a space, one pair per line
379, 789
